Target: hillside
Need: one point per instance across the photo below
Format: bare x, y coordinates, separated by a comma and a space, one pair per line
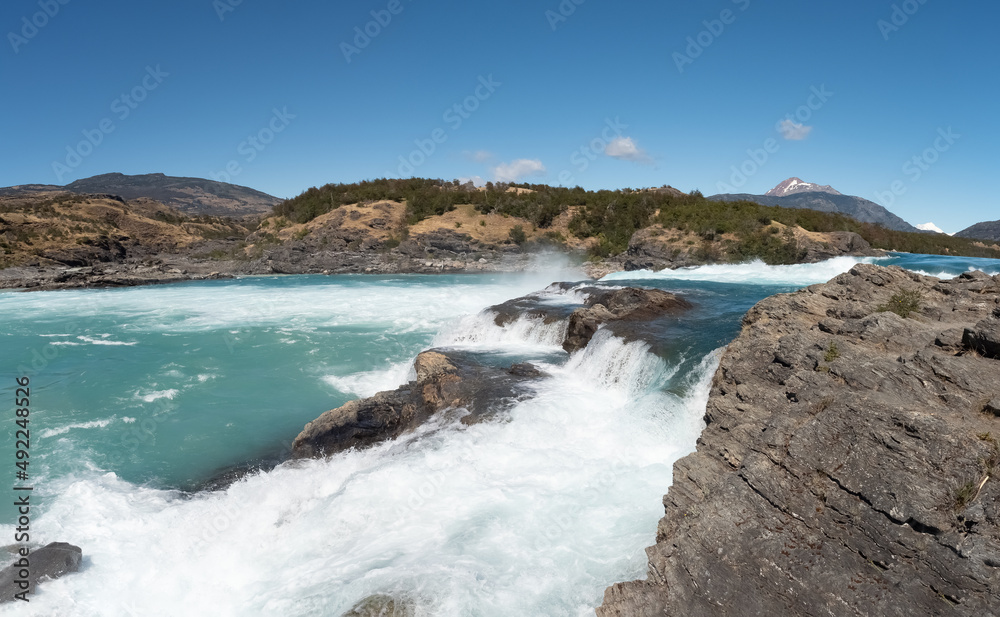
857, 208
194, 196
605, 222
78, 230
989, 230
427, 226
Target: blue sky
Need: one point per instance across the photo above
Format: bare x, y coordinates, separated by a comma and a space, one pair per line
284, 96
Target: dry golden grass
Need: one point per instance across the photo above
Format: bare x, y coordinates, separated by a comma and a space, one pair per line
36, 225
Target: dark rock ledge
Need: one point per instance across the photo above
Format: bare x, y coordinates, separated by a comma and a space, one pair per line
850, 462
444, 380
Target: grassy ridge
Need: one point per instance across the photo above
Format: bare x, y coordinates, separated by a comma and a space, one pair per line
613, 216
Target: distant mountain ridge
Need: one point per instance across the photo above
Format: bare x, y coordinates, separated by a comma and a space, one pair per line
823, 199
987, 230
191, 196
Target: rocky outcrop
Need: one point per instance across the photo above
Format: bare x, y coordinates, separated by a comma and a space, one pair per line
622, 306
49, 562
656, 248
816, 247
130, 274
850, 461
620, 309
443, 380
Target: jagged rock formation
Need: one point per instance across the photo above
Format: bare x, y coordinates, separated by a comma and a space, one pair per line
850, 461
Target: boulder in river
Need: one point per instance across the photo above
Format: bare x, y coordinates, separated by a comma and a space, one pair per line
444, 380
630, 304
49, 562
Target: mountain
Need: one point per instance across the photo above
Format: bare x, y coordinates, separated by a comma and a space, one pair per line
191, 196
796, 185
931, 227
989, 230
825, 199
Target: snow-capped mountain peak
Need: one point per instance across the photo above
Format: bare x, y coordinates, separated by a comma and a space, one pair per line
932, 227
796, 185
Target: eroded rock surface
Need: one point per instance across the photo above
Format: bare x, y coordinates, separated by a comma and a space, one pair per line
849, 465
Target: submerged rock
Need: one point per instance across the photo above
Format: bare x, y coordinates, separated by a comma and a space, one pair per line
49, 562
444, 380
382, 606
850, 464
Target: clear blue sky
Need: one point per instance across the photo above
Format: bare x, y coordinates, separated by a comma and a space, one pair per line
211, 75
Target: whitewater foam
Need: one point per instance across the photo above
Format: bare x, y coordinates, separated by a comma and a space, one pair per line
457, 518
526, 333
104, 341
62, 430
612, 363
368, 383
155, 395
755, 272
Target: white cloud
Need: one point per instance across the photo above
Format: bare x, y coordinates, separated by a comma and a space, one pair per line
479, 156
515, 170
624, 148
793, 131
477, 180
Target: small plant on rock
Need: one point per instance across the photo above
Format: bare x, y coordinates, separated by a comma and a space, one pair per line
903, 303
964, 495
832, 353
